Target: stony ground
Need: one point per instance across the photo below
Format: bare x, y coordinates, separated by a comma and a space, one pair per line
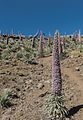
32, 83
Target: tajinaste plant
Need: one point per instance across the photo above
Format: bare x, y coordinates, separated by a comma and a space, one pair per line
49, 40
33, 42
41, 45
56, 71
54, 105
59, 43
63, 44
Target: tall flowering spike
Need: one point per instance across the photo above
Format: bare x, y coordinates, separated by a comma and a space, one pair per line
56, 71
49, 40
41, 45
33, 42
76, 36
63, 44
79, 36
20, 36
44, 42
6, 37
59, 42
12, 32
0, 35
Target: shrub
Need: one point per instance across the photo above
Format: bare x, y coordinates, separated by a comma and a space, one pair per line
6, 54
5, 98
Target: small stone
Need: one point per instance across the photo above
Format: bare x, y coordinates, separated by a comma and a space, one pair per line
1, 49
29, 82
21, 113
81, 75
21, 74
43, 94
78, 55
27, 87
80, 64
40, 86
2, 72
13, 108
8, 72
4, 83
67, 118
14, 96
76, 60
77, 69
67, 66
7, 62
14, 64
71, 97
18, 89
48, 81
71, 56
42, 65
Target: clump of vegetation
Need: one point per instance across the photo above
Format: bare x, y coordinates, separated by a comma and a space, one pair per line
3, 45
5, 98
19, 50
74, 48
55, 108
47, 50
64, 55
6, 54
27, 55
28, 50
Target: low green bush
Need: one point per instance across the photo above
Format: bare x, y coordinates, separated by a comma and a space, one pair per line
5, 98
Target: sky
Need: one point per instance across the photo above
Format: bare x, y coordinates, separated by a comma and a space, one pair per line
28, 16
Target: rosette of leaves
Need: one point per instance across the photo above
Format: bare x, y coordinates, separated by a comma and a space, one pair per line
19, 55
64, 54
47, 50
80, 47
3, 45
5, 98
9, 45
27, 43
27, 55
54, 107
13, 48
6, 54
30, 56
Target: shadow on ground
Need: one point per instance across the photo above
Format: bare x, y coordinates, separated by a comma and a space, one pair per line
74, 110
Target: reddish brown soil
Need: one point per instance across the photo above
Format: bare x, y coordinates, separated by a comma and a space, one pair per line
32, 83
